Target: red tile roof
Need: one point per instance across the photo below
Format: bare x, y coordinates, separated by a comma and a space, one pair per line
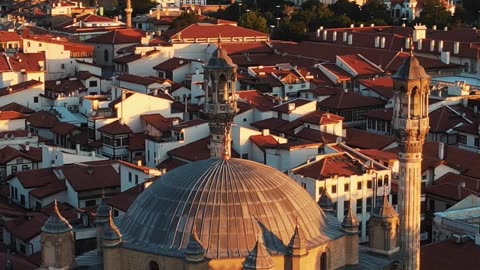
379, 154
17, 261
270, 123
119, 36
115, 128
26, 228
84, 75
382, 86
7, 36
49, 189
357, 138
195, 151
136, 142
172, 64
65, 86
9, 153
63, 128
126, 77
449, 255
444, 118
212, 31
91, 177
331, 165
187, 124
258, 100
123, 200
22, 62
19, 87
36, 178
247, 47
382, 114
283, 108
449, 186
158, 121
42, 119
349, 100
264, 142
134, 57
360, 65
17, 108
11, 115
472, 128
170, 164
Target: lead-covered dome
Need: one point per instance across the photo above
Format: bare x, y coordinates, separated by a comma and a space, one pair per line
229, 200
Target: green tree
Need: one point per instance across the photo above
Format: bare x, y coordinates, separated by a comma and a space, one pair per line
375, 10
291, 30
185, 19
347, 8
142, 6
434, 13
472, 10
253, 20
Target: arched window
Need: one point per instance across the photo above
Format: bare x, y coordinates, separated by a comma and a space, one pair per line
105, 55
323, 261
153, 266
385, 179
28, 44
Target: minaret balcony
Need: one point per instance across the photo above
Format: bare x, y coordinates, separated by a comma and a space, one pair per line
400, 123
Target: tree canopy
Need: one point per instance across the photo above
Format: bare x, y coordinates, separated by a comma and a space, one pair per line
253, 20
185, 19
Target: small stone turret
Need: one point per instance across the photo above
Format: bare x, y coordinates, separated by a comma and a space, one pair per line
383, 228
111, 234
58, 242
259, 257
297, 245
101, 217
195, 251
325, 202
350, 227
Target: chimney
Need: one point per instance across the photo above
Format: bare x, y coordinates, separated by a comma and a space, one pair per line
334, 36
456, 47
352, 25
445, 57
377, 42
434, 27
27, 147
265, 132
291, 106
404, 24
441, 150
57, 82
318, 32
440, 46
419, 44
325, 34
361, 25
475, 109
445, 28
382, 42
345, 36
350, 39
432, 45
139, 162
407, 43
77, 148
372, 25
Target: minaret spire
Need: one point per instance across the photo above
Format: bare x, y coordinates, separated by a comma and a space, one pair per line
220, 101
410, 124
128, 13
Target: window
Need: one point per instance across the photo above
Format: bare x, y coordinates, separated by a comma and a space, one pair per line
369, 184
323, 261
90, 203
462, 139
359, 185
105, 55
304, 185
22, 200
92, 84
379, 182
153, 266
130, 177
369, 204
346, 187
431, 205
22, 249
345, 207
35, 99
28, 44
136, 179
62, 66
476, 143
25, 167
14, 169
245, 156
40, 45
359, 206
385, 179
334, 189
320, 190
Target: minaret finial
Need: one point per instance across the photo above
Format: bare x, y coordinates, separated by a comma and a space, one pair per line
411, 45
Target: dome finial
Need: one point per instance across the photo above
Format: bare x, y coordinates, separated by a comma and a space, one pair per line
325, 201
350, 221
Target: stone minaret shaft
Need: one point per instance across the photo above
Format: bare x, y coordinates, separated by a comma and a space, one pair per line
220, 101
410, 124
128, 13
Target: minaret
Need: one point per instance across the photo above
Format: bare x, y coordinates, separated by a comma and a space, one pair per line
128, 13
220, 101
410, 125
350, 227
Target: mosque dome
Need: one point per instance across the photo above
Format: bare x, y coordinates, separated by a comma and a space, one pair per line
229, 201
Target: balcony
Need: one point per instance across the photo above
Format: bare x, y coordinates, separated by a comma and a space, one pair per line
399, 123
